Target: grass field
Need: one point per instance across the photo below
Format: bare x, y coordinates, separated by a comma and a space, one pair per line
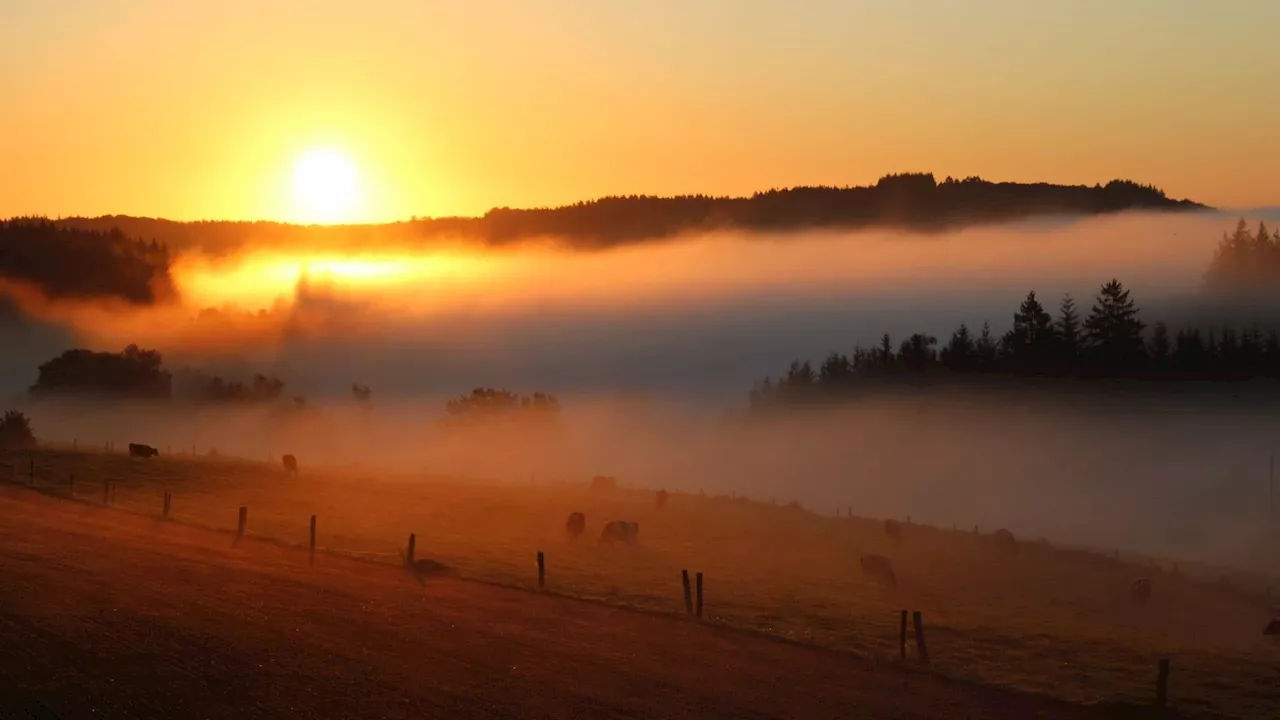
1047, 620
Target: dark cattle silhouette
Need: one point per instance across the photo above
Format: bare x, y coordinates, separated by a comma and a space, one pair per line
142, 451
425, 568
290, 464
893, 529
620, 531
662, 499
604, 482
1140, 590
879, 568
1004, 540
575, 525
1272, 628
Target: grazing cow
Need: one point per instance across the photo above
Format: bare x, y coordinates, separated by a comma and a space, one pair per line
1140, 590
576, 525
142, 451
604, 482
893, 529
620, 531
1272, 628
1005, 541
879, 568
662, 499
421, 569
290, 464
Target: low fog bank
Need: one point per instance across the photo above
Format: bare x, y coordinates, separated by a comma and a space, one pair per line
701, 315
1183, 480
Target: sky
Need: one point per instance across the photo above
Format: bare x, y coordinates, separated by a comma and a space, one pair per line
202, 110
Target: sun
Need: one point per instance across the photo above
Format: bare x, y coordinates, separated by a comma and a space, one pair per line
326, 187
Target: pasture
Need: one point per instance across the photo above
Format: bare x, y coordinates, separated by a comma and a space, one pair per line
1042, 619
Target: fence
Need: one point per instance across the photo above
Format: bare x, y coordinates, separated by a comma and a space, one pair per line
692, 595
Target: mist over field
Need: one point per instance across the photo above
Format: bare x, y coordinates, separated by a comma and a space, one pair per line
651, 347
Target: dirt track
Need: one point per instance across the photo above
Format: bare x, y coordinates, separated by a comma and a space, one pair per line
104, 614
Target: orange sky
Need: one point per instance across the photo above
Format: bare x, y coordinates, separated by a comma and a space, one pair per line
193, 110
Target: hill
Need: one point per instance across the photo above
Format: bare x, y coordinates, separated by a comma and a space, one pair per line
1049, 620
913, 200
113, 614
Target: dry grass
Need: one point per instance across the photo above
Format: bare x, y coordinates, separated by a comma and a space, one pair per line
1046, 620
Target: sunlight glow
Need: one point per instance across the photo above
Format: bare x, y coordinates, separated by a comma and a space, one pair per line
261, 280
326, 187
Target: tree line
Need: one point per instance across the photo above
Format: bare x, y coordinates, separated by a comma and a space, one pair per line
914, 200
139, 374
1110, 341
71, 262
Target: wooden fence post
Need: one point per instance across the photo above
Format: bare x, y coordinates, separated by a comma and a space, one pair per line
542, 570
106, 492
168, 504
71, 484
244, 520
902, 637
408, 558
313, 540
31, 471
699, 576
1162, 684
920, 646
688, 594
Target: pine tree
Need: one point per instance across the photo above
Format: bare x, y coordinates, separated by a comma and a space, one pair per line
959, 353
986, 352
1113, 331
885, 352
1029, 343
1068, 327
1160, 347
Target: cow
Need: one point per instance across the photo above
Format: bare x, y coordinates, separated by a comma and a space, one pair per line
879, 568
620, 531
662, 499
604, 482
1272, 629
1005, 541
575, 525
1140, 590
290, 464
420, 569
893, 529
142, 451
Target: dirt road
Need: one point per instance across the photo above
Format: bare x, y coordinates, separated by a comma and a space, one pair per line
104, 614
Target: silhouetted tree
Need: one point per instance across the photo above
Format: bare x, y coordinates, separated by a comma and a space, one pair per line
488, 405
1030, 344
1113, 332
960, 353
131, 373
1068, 330
15, 431
916, 354
986, 351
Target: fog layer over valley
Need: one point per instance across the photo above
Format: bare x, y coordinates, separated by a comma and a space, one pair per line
651, 348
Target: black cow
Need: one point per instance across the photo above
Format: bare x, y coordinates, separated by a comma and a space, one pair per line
575, 525
879, 568
620, 531
290, 464
1272, 628
142, 451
